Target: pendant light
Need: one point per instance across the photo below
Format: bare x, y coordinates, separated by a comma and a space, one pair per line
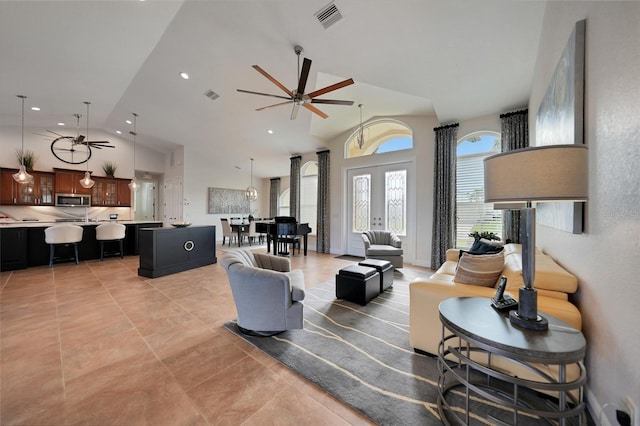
133, 185
360, 137
86, 181
251, 192
22, 177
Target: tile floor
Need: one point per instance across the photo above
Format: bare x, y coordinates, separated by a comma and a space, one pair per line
96, 344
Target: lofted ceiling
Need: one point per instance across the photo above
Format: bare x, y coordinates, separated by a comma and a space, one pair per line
450, 58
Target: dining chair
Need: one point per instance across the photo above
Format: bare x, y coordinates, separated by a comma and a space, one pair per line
226, 231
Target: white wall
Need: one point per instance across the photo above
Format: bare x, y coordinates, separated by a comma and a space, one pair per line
605, 257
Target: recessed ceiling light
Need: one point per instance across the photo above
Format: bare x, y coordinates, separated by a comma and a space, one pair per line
184, 75
35, 108
128, 121
118, 132
270, 131
60, 124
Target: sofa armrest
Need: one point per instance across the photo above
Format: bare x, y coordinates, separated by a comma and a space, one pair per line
296, 282
366, 241
395, 240
453, 254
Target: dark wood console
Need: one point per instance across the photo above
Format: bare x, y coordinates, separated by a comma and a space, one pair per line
165, 251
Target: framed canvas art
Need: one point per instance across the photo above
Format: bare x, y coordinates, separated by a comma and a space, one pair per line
560, 120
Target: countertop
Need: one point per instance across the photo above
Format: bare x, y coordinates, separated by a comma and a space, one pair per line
43, 224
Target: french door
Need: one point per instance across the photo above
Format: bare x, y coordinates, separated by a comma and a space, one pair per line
377, 200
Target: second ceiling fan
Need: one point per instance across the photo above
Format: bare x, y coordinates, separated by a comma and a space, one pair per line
297, 97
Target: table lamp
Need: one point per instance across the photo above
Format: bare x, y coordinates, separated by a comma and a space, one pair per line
548, 173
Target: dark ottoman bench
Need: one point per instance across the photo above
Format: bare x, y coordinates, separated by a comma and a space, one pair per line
384, 268
357, 284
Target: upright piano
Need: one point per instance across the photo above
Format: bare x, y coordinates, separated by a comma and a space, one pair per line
282, 232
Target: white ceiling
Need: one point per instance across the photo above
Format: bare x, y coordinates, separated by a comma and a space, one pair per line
451, 58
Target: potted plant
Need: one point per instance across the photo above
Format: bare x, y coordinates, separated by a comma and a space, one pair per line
484, 235
26, 157
109, 168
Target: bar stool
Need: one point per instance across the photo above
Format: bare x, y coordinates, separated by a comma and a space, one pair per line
110, 232
63, 235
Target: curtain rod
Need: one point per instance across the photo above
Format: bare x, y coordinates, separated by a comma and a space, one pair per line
447, 126
519, 112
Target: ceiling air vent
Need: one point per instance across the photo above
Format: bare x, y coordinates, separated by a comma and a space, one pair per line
211, 95
328, 15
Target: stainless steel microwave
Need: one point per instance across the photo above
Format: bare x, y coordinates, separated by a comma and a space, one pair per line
73, 200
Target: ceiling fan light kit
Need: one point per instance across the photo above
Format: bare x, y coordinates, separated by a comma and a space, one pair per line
298, 97
22, 176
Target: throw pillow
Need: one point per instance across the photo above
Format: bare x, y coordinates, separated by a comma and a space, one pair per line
481, 247
481, 269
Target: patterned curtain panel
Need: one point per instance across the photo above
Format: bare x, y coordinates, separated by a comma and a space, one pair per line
515, 135
322, 231
274, 195
444, 193
294, 187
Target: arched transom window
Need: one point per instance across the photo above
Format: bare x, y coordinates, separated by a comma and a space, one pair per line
378, 137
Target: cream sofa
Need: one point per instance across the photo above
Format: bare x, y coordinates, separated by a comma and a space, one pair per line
554, 284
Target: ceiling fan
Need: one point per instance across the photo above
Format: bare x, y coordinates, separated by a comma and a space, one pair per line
79, 139
297, 97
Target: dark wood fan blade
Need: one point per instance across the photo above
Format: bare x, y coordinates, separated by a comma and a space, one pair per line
273, 80
262, 94
304, 75
331, 88
57, 134
316, 110
96, 142
331, 101
274, 105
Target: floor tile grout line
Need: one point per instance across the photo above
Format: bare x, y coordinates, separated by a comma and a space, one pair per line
156, 356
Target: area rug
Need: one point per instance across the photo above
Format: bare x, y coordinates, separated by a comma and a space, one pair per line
361, 355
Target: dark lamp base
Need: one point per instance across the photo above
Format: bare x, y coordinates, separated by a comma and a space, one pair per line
538, 324
527, 314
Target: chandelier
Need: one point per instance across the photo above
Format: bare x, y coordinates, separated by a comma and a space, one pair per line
251, 193
86, 181
22, 177
133, 185
360, 136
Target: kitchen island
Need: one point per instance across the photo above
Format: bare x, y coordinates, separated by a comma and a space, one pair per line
22, 244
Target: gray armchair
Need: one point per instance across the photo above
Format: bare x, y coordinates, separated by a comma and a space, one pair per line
383, 245
267, 293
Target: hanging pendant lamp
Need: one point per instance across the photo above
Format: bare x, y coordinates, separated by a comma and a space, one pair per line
251, 193
86, 181
22, 177
133, 185
360, 138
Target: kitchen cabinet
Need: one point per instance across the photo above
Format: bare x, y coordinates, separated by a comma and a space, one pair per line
68, 182
124, 193
39, 192
8, 187
110, 192
13, 249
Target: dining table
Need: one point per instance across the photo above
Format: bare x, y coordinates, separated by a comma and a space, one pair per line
239, 227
